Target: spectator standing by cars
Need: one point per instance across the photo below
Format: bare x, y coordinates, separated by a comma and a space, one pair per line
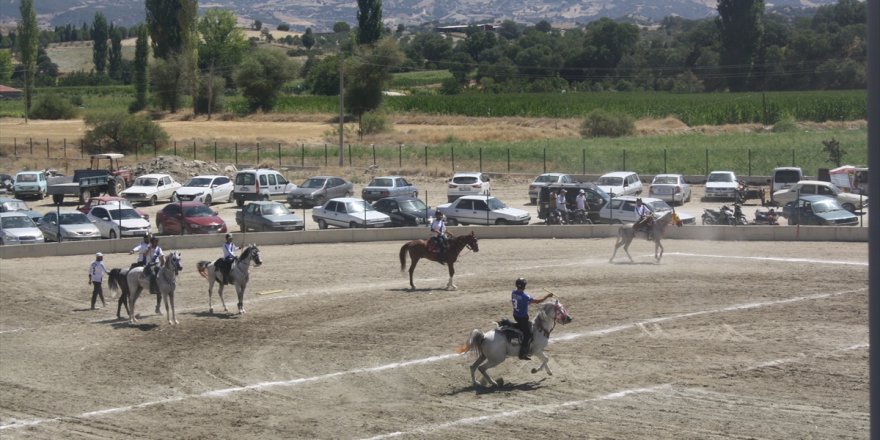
561, 202
581, 201
521, 302
96, 278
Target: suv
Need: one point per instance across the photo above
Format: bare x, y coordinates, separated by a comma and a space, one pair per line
30, 183
260, 184
596, 198
620, 183
467, 184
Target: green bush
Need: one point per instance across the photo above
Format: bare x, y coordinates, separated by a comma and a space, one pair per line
600, 123
122, 132
53, 106
785, 124
373, 122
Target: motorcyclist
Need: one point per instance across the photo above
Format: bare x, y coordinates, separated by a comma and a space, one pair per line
521, 301
229, 250
438, 232
645, 217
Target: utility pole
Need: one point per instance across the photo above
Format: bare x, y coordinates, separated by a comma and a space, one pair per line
341, 108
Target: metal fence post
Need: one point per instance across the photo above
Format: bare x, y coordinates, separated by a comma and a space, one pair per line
194, 150
175, 148
373, 146
258, 153
349, 157
82, 148
215, 151
481, 159
400, 155
792, 157
236, 154
426, 156
750, 162
47, 148
31, 140
325, 155
624, 159
65, 148
302, 155
664, 162
279, 155
452, 153
508, 161
545, 159
584, 161
15, 147
707, 161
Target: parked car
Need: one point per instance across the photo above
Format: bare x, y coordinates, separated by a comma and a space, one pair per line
482, 210
150, 188
349, 212
405, 210
623, 210
268, 216
318, 189
596, 198
721, 185
388, 186
16, 205
68, 226
467, 184
670, 188
118, 221
260, 184
110, 200
544, 180
620, 183
851, 202
189, 218
30, 184
818, 210
784, 178
206, 189
17, 228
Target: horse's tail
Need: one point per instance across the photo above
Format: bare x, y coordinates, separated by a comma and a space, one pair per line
113, 279
403, 256
472, 345
203, 268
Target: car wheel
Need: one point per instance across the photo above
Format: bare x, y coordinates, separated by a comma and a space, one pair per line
112, 233
451, 222
616, 222
153, 200
265, 198
208, 199
230, 199
533, 201
501, 222
239, 203
322, 224
353, 225
849, 207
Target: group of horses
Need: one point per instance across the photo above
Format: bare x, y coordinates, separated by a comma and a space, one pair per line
135, 280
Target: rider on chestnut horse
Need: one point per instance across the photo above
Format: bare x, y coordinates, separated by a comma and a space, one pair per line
439, 233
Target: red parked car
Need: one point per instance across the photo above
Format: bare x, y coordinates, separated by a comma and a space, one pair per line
190, 217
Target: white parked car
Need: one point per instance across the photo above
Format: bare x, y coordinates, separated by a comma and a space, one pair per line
118, 221
18, 228
544, 180
468, 184
349, 212
670, 188
72, 226
620, 183
206, 189
721, 185
850, 202
482, 210
623, 210
151, 188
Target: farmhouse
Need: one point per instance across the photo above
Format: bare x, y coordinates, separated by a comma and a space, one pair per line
7, 92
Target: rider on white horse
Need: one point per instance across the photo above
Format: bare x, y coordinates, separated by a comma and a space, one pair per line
438, 230
521, 301
141, 251
229, 250
155, 260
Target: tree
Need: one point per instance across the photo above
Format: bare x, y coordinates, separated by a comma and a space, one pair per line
367, 74
114, 59
121, 132
258, 25
99, 34
283, 27
261, 75
543, 26
5, 66
369, 21
223, 44
323, 76
833, 150
173, 31
169, 79
141, 64
308, 39
341, 27
28, 41
741, 26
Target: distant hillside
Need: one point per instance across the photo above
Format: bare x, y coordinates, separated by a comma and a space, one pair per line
321, 15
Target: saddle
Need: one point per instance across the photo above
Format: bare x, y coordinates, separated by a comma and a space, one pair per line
508, 328
151, 272
226, 270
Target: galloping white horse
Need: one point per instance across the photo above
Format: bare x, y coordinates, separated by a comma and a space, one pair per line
494, 346
238, 274
625, 235
167, 281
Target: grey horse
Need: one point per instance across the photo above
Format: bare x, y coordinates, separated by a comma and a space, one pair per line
167, 281
238, 273
625, 236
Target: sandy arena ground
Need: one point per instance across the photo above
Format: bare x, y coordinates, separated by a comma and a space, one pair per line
720, 340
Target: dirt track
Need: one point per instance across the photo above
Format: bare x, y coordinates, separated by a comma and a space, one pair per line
695, 347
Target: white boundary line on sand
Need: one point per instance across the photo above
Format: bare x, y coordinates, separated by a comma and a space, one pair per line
780, 259
16, 424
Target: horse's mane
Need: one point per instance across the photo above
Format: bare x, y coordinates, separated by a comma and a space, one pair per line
246, 252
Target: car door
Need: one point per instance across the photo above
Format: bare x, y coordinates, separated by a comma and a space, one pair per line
481, 214
463, 210
221, 187
272, 187
172, 218
336, 188
627, 212
102, 220
49, 226
265, 189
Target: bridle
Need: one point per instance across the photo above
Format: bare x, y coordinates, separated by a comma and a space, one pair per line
559, 314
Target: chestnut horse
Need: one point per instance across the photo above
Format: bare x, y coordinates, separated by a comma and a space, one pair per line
418, 249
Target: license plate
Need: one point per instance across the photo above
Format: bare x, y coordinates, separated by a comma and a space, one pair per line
662, 190
464, 187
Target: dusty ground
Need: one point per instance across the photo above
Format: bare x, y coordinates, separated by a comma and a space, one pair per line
720, 340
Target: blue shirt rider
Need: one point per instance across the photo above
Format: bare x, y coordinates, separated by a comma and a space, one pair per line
521, 301
438, 231
229, 250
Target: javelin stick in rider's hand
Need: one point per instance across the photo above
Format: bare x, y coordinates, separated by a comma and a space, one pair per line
550, 292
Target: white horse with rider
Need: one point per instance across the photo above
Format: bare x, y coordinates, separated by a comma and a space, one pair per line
166, 280
238, 275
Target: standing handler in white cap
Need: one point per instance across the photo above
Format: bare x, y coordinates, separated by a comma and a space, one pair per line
96, 278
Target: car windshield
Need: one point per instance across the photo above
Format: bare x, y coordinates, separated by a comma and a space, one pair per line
381, 182
546, 179
659, 206
26, 178
464, 180
358, 206
124, 214
826, 206
611, 181
200, 182
496, 204
720, 177
275, 209
17, 222
413, 206
14, 205
74, 218
198, 211
665, 180
313, 183
145, 181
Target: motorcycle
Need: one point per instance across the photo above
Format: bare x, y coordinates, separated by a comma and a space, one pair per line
768, 217
579, 217
554, 218
738, 216
723, 216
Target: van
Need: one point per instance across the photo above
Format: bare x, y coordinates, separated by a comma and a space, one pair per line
784, 178
30, 184
260, 184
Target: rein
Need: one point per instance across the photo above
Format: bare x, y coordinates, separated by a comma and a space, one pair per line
544, 331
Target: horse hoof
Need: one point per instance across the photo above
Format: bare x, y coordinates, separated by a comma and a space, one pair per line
499, 383
211, 310
534, 370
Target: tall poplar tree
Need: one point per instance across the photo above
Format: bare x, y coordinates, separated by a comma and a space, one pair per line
172, 27
28, 44
141, 63
100, 33
369, 21
741, 25
114, 58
